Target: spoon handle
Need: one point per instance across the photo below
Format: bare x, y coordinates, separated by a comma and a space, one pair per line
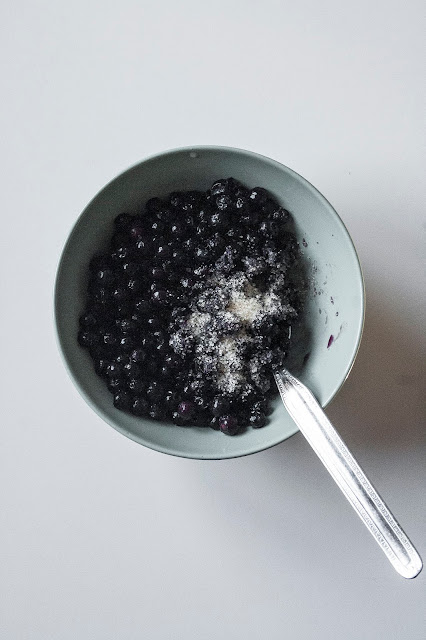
344, 469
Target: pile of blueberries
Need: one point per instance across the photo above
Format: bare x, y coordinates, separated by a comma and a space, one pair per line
141, 288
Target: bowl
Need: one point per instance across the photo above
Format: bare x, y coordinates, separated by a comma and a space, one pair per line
334, 308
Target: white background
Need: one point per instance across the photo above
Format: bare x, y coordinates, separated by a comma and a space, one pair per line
101, 538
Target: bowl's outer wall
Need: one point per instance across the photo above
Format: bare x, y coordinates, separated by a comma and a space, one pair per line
335, 306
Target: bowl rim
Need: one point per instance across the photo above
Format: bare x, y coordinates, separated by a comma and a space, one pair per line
60, 265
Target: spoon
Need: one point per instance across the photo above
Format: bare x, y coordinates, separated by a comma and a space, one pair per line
348, 475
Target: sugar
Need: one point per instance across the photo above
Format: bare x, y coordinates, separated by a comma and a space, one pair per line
245, 308
219, 326
197, 322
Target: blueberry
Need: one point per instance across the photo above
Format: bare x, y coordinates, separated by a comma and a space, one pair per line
137, 230
201, 402
100, 364
263, 325
87, 339
176, 199
257, 419
263, 383
177, 230
114, 369
138, 319
123, 400
132, 369
114, 384
164, 215
220, 406
164, 371
201, 254
136, 385
109, 338
170, 399
258, 196
172, 361
229, 425
131, 269
122, 310
125, 325
214, 423
125, 343
261, 406
154, 390
176, 263
99, 262
120, 253
99, 295
157, 227
88, 320
153, 322
143, 248
140, 407
138, 355
218, 188
252, 218
160, 296
189, 222
289, 244
142, 306
119, 294
177, 419
153, 205
278, 358
202, 231
163, 251
123, 221
188, 246
269, 206
281, 216
158, 336
168, 266
134, 286
105, 277
219, 219
191, 200
157, 411
234, 186
223, 202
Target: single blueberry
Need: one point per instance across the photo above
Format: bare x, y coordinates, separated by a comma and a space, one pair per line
123, 400
154, 391
220, 406
140, 407
138, 355
153, 205
123, 221
136, 385
87, 339
229, 425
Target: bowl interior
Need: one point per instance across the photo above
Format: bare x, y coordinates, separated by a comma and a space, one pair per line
334, 308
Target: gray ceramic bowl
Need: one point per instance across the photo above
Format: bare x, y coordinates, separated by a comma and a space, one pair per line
334, 310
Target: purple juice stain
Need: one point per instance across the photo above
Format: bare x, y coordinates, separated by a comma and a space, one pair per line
330, 341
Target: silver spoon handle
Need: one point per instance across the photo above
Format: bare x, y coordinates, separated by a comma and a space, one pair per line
340, 463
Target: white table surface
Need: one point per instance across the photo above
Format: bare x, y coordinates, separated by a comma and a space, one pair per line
101, 538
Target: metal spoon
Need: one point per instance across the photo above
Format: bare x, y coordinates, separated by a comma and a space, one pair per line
344, 469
